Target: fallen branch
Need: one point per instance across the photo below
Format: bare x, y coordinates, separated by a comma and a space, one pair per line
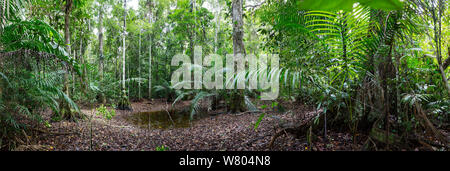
434, 144
297, 129
426, 145
277, 134
428, 125
54, 133
256, 139
239, 114
216, 113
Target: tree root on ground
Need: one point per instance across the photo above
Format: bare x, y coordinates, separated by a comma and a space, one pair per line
426, 123
124, 104
296, 129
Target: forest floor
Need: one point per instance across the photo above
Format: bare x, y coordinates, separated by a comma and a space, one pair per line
213, 131
220, 132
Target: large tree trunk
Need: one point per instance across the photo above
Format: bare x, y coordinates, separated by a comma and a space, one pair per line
237, 98
65, 111
100, 41
102, 97
238, 28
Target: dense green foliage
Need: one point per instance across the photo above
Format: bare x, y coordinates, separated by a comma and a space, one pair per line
368, 65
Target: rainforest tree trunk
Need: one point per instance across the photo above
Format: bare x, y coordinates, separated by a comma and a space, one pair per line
65, 111
101, 58
237, 97
124, 103
150, 6
139, 64
100, 42
216, 45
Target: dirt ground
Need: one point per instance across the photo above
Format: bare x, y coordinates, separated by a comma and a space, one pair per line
221, 132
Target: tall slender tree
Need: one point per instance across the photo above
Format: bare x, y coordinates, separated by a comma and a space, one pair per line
150, 6
65, 111
238, 49
434, 10
101, 57
139, 63
124, 103
218, 10
100, 40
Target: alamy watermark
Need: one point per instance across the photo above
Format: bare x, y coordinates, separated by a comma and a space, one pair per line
240, 72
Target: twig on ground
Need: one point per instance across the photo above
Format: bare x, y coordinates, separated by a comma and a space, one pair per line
54, 133
239, 114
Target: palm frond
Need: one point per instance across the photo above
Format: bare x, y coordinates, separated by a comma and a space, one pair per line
195, 105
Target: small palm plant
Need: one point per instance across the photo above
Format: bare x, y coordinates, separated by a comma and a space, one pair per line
105, 113
162, 148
